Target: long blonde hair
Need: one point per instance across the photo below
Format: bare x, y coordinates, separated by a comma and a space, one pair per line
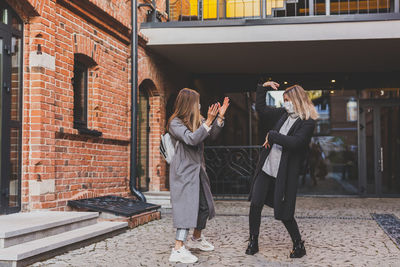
301, 102
186, 108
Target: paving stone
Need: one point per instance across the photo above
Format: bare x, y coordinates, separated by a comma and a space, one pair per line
338, 232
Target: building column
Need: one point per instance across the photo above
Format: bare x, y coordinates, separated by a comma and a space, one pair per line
39, 109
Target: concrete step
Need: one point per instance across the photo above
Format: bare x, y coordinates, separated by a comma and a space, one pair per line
25, 227
162, 198
11, 256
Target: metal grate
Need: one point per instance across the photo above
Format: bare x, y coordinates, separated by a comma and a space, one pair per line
230, 169
390, 224
113, 204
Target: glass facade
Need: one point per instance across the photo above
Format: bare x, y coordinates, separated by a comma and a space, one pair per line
353, 151
331, 164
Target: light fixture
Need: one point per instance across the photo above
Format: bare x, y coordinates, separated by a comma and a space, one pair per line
333, 81
285, 82
332, 92
351, 107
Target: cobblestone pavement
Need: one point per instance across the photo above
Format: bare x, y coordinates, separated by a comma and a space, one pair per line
337, 231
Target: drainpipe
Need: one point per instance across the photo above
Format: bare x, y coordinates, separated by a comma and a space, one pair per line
134, 86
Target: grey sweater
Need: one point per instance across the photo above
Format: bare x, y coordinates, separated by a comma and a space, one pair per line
271, 165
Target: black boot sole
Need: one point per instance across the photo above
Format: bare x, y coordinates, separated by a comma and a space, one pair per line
297, 256
251, 252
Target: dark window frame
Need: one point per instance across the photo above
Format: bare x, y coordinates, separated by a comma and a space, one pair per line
82, 64
9, 32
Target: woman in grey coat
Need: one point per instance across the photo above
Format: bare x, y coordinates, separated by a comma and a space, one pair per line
191, 198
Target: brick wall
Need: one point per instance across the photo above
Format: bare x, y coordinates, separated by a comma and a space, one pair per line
58, 163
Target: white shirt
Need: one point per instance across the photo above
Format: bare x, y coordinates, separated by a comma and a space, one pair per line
271, 165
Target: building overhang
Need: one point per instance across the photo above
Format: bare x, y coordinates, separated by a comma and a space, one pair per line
255, 47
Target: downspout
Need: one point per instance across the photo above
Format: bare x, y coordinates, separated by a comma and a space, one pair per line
134, 86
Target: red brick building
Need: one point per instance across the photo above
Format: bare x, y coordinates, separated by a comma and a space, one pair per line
66, 90
67, 130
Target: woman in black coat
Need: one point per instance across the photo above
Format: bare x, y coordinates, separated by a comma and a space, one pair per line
276, 176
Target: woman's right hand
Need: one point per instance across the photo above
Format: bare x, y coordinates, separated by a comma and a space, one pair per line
266, 143
271, 84
212, 113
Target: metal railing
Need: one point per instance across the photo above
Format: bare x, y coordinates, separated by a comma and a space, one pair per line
230, 168
198, 10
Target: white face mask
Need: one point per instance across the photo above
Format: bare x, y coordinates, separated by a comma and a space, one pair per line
288, 105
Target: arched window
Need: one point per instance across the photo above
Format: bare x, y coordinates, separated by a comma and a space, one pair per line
82, 64
143, 139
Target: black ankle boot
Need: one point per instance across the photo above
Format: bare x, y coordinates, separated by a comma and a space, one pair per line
298, 250
252, 248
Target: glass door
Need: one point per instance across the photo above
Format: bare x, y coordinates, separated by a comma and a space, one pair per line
5, 39
389, 150
10, 109
379, 147
2, 201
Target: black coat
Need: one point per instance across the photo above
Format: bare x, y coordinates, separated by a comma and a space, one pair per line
294, 147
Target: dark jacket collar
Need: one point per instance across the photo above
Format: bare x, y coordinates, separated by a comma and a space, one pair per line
282, 121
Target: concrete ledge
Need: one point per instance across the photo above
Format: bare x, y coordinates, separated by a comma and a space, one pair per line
162, 198
273, 33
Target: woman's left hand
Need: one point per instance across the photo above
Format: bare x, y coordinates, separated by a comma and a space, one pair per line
266, 144
224, 107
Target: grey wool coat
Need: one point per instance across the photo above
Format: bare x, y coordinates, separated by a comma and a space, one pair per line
295, 144
188, 171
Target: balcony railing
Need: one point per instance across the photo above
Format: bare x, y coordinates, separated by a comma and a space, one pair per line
200, 10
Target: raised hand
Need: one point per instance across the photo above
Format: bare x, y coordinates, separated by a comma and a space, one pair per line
271, 84
212, 113
224, 107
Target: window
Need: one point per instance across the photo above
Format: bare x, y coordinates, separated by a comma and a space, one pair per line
82, 64
11, 75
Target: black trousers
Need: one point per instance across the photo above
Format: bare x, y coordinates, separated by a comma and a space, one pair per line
203, 210
264, 186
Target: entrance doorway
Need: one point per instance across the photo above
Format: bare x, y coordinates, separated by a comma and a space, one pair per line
379, 166
10, 109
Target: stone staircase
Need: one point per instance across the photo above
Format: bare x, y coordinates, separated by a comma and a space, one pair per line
29, 237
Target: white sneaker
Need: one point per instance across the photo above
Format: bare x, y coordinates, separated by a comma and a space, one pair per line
200, 243
182, 255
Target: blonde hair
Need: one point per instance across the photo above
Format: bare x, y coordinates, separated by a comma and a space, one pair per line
186, 108
301, 102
